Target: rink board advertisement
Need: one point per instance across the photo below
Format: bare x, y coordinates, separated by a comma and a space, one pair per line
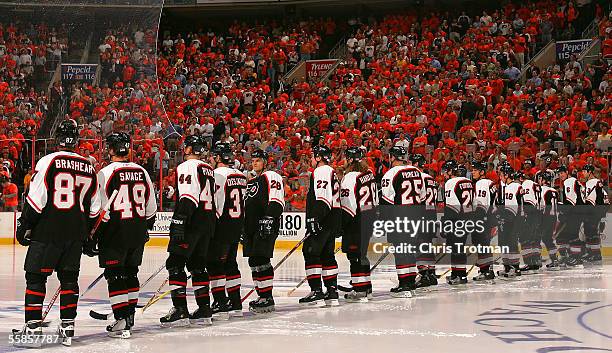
292, 225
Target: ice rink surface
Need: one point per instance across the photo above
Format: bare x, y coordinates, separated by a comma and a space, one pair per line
568, 311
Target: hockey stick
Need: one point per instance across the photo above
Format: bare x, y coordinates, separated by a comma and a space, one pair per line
91, 233
154, 299
306, 278
278, 264
101, 316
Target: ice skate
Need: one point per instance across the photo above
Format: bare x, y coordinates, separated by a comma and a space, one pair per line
486, 277
457, 281
220, 311
30, 336
331, 297
201, 316
176, 317
592, 260
423, 283
262, 305
234, 308
315, 297
509, 273
119, 329
553, 265
356, 297
403, 291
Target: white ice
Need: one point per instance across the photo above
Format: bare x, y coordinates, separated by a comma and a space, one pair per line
549, 312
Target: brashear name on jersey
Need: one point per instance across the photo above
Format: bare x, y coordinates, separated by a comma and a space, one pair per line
458, 194
358, 192
64, 188
403, 185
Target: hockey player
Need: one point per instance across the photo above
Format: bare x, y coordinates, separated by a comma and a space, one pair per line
322, 224
62, 204
230, 185
548, 204
403, 185
485, 194
531, 249
191, 229
458, 199
571, 214
426, 259
358, 194
597, 205
123, 232
509, 222
264, 203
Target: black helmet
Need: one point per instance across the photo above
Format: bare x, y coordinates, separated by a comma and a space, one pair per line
417, 159
223, 151
562, 169
354, 153
482, 166
507, 170
449, 165
547, 176
460, 170
119, 143
258, 153
197, 144
518, 175
67, 134
588, 168
322, 151
398, 152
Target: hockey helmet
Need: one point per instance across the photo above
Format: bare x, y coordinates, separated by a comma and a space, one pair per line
460, 170
398, 152
562, 169
546, 176
119, 143
479, 165
258, 153
507, 170
589, 168
418, 160
197, 144
224, 152
449, 165
67, 134
354, 153
322, 151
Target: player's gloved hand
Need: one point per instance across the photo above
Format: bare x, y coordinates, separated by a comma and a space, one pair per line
177, 227
266, 227
602, 227
23, 233
313, 228
90, 247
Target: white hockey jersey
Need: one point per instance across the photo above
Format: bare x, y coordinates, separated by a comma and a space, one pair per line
358, 192
458, 194
573, 192
403, 185
595, 192
484, 194
548, 200
513, 197
431, 191
531, 193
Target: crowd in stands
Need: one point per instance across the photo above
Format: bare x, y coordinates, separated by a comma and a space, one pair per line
445, 85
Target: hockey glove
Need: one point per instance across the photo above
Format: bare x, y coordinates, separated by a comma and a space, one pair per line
177, 227
602, 227
90, 247
23, 233
266, 227
313, 228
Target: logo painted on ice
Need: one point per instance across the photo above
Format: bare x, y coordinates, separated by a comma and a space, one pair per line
525, 322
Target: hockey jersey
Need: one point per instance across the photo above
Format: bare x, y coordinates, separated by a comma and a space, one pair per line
431, 191
549, 200
230, 186
595, 192
484, 194
513, 197
265, 196
63, 197
403, 185
134, 205
323, 198
358, 193
458, 194
531, 193
572, 192
195, 186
